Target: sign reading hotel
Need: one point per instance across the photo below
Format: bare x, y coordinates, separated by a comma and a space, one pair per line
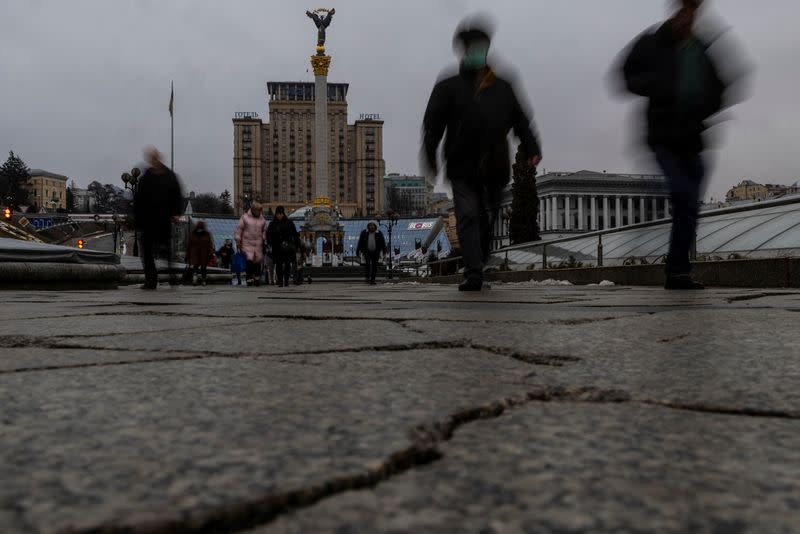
245, 115
420, 225
369, 117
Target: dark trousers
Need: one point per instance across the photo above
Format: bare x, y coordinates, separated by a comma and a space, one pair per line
202, 268
371, 260
283, 268
685, 173
253, 270
476, 209
154, 246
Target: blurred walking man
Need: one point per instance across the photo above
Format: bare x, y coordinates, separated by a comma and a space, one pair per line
673, 69
158, 201
476, 108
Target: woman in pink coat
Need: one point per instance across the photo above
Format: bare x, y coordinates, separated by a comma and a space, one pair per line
250, 234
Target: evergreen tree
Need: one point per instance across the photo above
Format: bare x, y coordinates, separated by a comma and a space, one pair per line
71, 198
101, 200
225, 197
14, 174
524, 226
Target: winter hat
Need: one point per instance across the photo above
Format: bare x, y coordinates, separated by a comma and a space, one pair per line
280, 209
375, 223
478, 27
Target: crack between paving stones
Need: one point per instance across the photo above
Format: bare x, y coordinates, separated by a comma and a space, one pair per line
183, 355
424, 450
426, 439
742, 298
721, 410
551, 360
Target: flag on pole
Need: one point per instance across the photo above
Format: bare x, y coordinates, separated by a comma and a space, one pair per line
171, 98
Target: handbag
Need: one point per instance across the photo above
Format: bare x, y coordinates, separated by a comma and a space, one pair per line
239, 263
287, 246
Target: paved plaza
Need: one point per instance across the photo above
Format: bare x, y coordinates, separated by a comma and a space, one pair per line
400, 408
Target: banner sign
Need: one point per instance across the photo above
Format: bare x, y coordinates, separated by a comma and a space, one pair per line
245, 115
420, 226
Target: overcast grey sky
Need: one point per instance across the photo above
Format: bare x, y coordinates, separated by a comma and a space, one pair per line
84, 84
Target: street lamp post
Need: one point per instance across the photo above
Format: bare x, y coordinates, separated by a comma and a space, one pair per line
131, 181
391, 222
116, 222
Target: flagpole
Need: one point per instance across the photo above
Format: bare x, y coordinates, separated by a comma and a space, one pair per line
172, 131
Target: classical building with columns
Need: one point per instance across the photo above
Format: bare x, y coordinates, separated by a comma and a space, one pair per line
585, 201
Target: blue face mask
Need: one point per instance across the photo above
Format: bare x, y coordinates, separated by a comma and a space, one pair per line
475, 56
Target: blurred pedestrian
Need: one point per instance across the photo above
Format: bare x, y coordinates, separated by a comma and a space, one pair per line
158, 202
250, 234
672, 67
199, 250
269, 265
371, 244
476, 108
282, 236
225, 254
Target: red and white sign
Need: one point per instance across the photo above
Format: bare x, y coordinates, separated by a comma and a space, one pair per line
420, 226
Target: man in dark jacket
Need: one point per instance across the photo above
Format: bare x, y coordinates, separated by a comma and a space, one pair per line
477, 109
157, 203
672, 68
282, 236
371, 244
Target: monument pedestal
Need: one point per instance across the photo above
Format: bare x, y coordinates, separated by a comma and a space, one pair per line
322, 221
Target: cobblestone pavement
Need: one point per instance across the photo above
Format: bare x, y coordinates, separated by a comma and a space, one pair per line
345, 408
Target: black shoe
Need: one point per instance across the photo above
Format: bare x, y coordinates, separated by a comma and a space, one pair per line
149, 287
682, 281
373, 283
471, 285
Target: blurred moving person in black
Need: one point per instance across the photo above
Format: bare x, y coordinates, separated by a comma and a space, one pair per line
282, 236
371, 244
673, 68
157, 203
477, 108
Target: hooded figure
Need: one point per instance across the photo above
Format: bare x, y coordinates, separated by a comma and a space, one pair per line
199, 248
284, 240
474, 111
371, 244
249, 235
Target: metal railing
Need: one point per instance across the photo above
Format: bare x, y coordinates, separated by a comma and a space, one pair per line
542, 246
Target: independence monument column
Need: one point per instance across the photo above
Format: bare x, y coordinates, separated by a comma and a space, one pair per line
321, 63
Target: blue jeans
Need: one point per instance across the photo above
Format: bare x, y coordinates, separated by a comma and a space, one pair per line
685, 173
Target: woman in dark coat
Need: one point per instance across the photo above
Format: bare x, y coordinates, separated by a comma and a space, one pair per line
199, 249
283, 238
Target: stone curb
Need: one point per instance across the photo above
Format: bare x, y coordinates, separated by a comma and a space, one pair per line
19, 275
753, 273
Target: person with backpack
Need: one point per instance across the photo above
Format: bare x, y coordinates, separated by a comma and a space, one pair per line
282, 236
250, 234
673, 68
